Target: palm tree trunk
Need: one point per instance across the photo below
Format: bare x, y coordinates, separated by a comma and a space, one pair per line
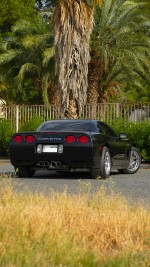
54, 98
95, 92
73, 21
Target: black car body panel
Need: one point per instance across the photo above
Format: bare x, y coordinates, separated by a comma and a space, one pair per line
26, 153
68, 145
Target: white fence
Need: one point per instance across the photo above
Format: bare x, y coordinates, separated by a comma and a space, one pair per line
18, 114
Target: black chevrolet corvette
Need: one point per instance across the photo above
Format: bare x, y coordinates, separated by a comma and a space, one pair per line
73, 145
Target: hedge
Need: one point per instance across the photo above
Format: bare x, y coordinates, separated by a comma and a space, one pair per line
139, 132
6, 131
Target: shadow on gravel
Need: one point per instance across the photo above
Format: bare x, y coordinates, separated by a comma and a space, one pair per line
62, 175
43, 174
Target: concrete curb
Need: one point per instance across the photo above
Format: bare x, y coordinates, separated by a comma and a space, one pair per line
4, 160
145, 166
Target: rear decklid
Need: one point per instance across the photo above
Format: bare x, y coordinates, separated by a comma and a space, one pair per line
32, 146
27, 138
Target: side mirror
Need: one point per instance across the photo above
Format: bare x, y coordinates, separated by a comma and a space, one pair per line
123, 136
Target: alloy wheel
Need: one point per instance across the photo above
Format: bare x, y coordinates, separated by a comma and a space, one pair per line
134, 160
107, 163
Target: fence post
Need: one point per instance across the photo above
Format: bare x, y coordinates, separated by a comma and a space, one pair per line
117, 110
17, 118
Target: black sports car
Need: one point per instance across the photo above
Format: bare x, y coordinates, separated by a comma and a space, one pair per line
73, 145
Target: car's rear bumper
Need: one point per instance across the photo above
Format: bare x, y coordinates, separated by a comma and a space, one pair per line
72, 157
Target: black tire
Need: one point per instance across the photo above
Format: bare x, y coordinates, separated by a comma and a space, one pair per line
135, 161
24, 172
31, 173
104, 167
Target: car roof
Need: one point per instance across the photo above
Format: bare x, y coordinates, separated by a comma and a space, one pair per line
70, 120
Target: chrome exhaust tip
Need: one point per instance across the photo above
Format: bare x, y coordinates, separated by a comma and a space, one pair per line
55, 164
58, 163
40, 164
46, 164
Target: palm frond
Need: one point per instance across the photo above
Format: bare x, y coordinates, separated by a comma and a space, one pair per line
48, 55
37, 41
27, 69
22, 54
8, 56
121, 42
126, 13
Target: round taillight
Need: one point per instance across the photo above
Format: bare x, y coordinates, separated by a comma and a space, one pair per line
83, 139
30, 138
70, 139
18, 139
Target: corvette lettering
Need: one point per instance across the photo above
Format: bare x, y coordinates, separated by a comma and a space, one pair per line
49, 139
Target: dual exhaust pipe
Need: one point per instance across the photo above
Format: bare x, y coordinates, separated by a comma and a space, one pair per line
47, 164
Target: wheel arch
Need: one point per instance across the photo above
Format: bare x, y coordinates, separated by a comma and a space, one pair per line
133, 144
129, 150
108, 146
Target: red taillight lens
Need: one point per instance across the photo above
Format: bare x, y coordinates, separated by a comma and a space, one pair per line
18, 139
70, 139
83, 139
30, 138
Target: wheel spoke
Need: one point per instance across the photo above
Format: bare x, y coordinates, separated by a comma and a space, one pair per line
107, 163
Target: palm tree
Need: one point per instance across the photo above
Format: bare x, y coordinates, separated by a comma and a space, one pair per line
120, 49
73, 24
29, 55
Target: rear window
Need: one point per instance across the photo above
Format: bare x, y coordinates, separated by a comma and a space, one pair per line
64, 126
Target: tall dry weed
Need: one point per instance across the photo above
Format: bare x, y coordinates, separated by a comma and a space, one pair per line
78, 230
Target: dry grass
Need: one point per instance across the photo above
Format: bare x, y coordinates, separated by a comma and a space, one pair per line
79, 230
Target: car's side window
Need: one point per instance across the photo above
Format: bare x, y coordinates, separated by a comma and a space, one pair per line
108, 130
98, 128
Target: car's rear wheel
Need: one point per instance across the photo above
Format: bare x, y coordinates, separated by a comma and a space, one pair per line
135, 161
104, 167
24, 172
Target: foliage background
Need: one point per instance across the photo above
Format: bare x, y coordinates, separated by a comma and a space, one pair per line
119, 52
13, 10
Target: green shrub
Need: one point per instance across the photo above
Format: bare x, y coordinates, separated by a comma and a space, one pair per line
6, 131
31, 125
138, 132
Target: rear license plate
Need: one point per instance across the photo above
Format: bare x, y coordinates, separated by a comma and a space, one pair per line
50, 148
